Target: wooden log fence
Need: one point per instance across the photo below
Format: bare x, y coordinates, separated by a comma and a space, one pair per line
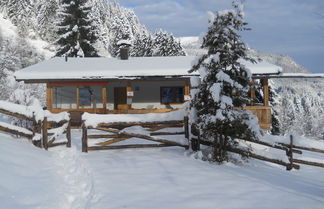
253, 155
17, 132
39, 128
46, 127
115, 134
288, 148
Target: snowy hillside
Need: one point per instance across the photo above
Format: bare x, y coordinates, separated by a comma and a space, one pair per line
299, 103
65, 178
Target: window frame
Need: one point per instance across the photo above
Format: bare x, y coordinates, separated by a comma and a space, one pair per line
182, 98
77, 86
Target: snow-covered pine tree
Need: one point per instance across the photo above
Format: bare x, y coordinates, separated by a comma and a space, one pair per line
20, 12
142, 46
224, 87
166, 45
120, 31
46, 15
76, 32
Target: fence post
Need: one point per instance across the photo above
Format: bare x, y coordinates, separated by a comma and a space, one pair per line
290, 154
186, 127
194, 142
84, 138
68, 135
45, 135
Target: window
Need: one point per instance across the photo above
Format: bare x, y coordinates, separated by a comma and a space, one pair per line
64, 97
172, 95
90, 97
77, 97
85, 95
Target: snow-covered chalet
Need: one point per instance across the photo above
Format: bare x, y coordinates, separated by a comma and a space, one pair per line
134, 85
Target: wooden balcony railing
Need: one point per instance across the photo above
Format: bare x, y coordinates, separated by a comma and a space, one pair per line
264, 115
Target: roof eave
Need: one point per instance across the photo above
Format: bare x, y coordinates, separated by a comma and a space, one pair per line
44, 80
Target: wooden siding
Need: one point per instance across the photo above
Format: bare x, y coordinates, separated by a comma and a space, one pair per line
264, 115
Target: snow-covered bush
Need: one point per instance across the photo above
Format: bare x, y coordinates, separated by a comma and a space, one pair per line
224, 85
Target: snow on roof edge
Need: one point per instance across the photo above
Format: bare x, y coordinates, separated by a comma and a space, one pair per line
111, 68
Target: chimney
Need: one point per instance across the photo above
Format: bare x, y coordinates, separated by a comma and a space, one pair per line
124, 46
124, 53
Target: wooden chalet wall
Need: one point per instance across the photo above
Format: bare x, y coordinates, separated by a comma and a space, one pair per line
127, 108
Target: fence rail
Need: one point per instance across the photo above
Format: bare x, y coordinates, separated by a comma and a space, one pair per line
41, 133
114, 133
290, 149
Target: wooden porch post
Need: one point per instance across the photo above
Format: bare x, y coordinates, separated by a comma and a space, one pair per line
49, 96
77, 97
187, 88
104, 98
252, 92
265, 85
129, 94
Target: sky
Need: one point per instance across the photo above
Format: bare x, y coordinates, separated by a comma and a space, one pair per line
290, 27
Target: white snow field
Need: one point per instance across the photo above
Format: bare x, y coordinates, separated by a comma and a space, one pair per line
159, 178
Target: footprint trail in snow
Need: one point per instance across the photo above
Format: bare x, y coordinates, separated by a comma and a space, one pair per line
76, 181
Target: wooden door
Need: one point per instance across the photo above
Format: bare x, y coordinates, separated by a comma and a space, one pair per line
120, 98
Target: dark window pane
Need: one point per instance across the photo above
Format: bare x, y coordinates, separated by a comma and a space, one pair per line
85, 95
64, 97
172, 94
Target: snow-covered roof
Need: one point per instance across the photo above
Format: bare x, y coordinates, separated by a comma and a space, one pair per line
298, 75
111, 68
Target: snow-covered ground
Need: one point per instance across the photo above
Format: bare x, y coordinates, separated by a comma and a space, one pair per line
146, 178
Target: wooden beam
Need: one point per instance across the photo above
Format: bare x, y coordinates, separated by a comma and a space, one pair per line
57, 144
153, 139
107, 130
166, 133
113, 141
84, 139
139, 146
104, 98
68, 135
79, 83
186, 127
142, 137
100, 136
252, 91
129, 89
16, 132
102, 111
17, 115
156, 128
78, 98
308, 163
304, 148
187, 87
249, 154
155, 123
49, 97
45, 134
265, 85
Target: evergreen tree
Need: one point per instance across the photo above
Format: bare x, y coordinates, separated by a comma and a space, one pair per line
76, 32
166, 45
224, 87
120, 31
20, 12
142, 46
47, 14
